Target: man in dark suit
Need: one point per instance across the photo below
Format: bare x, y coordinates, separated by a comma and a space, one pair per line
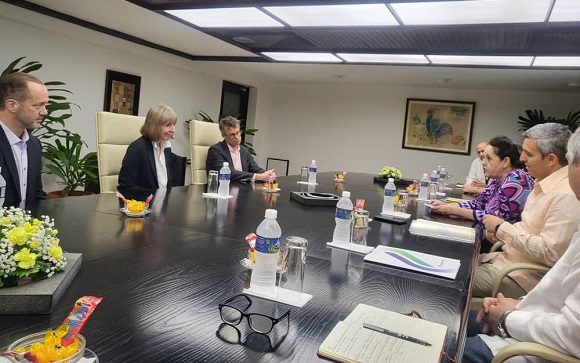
242, 164
23, 100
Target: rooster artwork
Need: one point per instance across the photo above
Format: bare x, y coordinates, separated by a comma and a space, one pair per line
436, 128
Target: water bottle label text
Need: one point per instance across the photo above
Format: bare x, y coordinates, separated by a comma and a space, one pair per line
389, 193
224, 176
343, 213
267, 245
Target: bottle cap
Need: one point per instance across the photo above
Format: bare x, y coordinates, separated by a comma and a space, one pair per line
425, 175
226, 163
313, 161
346, 194
271, 213
391, 180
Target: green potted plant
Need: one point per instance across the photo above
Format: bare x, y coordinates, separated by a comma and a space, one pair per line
536, 117
61, 148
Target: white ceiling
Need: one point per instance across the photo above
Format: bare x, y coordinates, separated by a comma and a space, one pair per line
134, 20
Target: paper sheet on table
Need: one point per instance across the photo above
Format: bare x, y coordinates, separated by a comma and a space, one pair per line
415, 261
350, 342
442, 230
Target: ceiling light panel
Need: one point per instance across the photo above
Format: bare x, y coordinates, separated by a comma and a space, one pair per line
472, 12
334, 15
514, 61
302, 57
557, 62
384, 58
566, 10
226, 18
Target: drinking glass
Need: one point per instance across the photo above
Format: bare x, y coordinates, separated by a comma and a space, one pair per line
304, 174
213, 182
293, 264
403, 199
360, 227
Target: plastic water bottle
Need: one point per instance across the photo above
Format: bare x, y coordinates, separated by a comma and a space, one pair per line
267, 251
224, 188
442, 179
312, 170
424, 187
343, 218
388, 203
2, 189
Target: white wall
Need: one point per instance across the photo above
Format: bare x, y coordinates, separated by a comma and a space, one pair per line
354, 127
359, 127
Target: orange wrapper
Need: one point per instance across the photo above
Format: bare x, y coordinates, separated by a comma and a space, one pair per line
78, 317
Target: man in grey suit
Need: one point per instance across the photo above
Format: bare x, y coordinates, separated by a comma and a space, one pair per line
242, 164
23, 100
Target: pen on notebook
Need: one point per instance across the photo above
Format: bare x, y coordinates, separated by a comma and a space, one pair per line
396, 335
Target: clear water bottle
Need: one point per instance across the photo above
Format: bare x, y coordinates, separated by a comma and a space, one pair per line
388, 203
224, 188
442, 179
267, 251
435, 177
2, 189
343, 218
424, 187
312, 170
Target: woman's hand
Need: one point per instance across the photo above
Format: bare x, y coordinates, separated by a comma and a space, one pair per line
440, 207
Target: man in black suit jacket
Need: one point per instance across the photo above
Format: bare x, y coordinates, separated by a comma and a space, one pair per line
23, 100
231, 151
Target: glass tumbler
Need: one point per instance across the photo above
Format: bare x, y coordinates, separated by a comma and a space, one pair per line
293, 264
360, 227
212, 182
304, 174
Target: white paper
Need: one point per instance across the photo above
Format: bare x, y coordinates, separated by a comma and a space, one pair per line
354, 247
415, 261
442, 230
216, 196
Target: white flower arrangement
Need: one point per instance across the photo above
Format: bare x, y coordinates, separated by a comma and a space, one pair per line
390, 172
28, 246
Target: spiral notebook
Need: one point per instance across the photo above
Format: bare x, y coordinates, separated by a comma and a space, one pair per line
350, 341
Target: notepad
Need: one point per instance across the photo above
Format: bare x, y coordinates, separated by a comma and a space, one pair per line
350, 342
442, 230
415, 261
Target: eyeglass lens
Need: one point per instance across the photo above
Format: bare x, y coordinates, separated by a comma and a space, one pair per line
231, 315
260, 324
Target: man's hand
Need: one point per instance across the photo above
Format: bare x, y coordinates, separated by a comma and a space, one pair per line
265, 176
492, 309
491, 222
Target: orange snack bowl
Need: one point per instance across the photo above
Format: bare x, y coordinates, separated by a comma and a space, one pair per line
35, 342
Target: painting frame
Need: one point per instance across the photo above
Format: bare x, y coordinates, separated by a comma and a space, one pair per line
122, 91
439, 126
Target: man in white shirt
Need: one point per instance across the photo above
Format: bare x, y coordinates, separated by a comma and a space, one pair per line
23, 100
476, 182
242, 164
549, 314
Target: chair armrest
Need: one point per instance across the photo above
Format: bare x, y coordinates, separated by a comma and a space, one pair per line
515, 266
496, 246
533, 349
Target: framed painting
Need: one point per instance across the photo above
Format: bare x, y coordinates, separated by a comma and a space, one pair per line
439, 126
122, 93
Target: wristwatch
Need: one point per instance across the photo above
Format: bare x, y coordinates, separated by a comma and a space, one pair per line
501, 327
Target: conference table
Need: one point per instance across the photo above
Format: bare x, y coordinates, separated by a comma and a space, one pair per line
162, 276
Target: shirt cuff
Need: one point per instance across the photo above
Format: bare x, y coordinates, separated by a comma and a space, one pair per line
506, 232
517, 323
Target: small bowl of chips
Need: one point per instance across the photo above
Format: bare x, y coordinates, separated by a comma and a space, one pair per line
46, 347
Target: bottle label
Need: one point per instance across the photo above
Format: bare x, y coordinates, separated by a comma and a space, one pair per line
267, 245
424, 184
312, 169
343, 213
389, 193
224, 176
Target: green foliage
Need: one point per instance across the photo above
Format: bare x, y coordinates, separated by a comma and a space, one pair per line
52, 132
390, 172
536, 117
63, 159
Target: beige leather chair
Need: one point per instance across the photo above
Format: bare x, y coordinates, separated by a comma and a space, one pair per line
114, 134
533, 349
202, 135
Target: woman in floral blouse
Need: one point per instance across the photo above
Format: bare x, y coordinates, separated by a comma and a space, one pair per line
506, 194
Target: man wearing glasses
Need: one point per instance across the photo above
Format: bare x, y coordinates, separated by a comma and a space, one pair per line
242, 164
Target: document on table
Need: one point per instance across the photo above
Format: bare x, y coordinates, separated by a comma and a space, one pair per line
349, 341
415, 261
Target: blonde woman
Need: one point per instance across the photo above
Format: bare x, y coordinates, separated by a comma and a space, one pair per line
146, 165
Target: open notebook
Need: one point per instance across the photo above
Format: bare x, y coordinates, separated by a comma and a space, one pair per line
442, 230
350, 342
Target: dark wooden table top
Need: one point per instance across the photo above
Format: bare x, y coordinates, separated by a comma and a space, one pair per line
163, 276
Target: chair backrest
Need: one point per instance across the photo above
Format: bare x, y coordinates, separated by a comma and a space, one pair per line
202, 135
114, 134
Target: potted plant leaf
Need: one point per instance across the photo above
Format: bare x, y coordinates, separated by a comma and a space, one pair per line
536, 117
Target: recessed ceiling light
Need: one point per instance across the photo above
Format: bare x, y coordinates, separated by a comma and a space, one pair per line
573, 84
302, 57
514, 61
566, 10
384, 58
472, 12
226, 18
557, 62
334, 15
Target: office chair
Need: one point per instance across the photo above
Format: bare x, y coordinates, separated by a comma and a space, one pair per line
114, 134
202, 135
533, 349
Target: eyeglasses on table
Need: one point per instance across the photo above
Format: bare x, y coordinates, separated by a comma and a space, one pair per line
259, 323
